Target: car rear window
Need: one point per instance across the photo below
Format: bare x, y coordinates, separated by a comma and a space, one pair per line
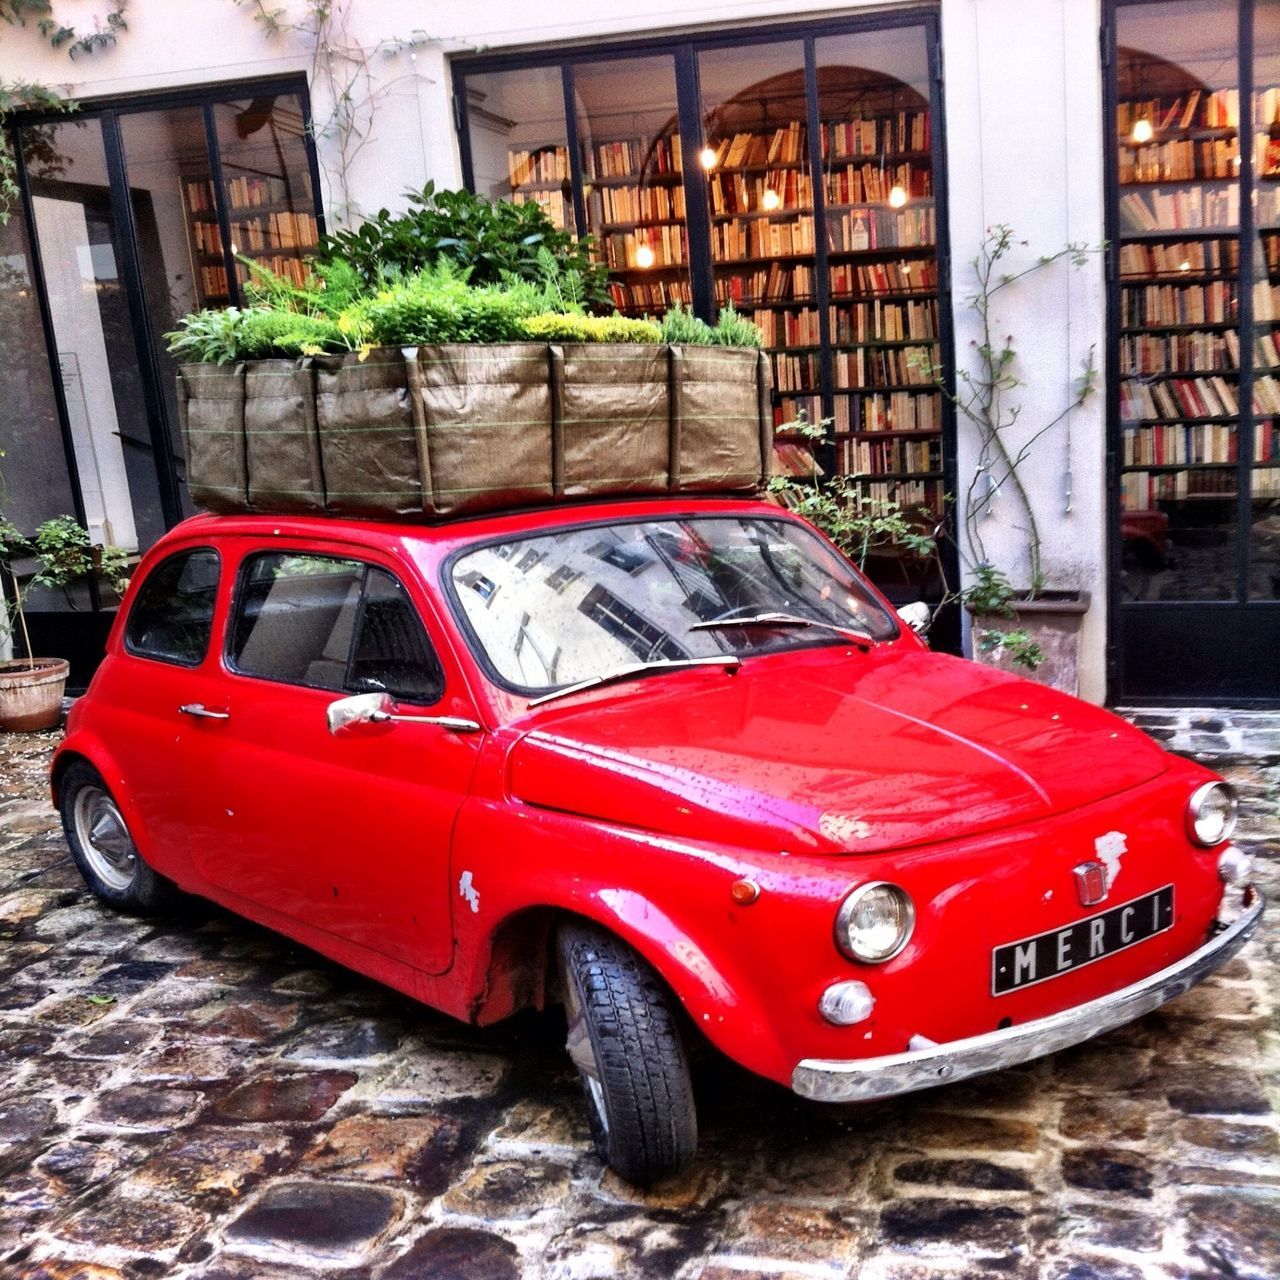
331, 623
171, 619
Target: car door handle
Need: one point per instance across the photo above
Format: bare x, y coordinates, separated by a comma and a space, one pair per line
199, 710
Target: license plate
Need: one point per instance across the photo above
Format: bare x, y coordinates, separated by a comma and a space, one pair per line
1049, 955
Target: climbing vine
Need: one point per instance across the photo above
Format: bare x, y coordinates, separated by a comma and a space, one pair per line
18, 95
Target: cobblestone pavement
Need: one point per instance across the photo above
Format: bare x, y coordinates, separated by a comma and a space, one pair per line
197, 1097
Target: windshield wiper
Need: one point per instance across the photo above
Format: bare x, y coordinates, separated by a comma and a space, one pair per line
725, 660
784, 620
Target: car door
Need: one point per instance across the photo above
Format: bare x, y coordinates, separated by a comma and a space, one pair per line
345, 834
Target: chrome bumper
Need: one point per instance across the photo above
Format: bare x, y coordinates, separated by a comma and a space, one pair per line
861, 1080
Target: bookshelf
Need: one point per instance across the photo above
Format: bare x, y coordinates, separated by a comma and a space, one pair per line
265, 224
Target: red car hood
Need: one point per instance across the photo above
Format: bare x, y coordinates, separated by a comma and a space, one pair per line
828, 751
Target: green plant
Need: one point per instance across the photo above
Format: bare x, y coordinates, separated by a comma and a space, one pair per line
1023, 651
556, 327
734, 329
681, 328
494, 241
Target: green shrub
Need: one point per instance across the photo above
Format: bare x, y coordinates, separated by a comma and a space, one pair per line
207, 337
263, 333
557, 327
493, 240
680, 327
734, 330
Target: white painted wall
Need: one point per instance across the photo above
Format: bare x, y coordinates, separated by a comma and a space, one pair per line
1024, 129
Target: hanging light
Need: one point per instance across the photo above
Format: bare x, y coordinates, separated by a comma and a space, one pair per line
645, 257
771, 199
897, 195
1142, 131
708, 156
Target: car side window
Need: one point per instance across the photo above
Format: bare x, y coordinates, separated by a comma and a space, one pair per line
171, 619
330, 623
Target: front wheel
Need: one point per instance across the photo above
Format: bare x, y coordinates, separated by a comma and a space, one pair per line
624, 1040
103, 849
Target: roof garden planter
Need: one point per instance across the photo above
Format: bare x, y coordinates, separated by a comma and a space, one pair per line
31, 693
1052, 621
456, 428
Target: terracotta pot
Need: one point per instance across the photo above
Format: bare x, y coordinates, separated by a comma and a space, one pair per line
31, 693
1053, 620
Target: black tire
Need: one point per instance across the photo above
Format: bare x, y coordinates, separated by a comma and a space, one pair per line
108, 860
625, 1042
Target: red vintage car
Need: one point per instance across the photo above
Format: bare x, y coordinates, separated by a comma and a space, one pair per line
672, 763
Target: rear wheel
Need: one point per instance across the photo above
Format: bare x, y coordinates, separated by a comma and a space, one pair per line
103, 849
624, 1040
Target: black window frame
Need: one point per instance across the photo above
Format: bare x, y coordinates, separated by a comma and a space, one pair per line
243, 572
133, 651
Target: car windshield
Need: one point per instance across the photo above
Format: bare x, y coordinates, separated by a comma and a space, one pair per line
574, 604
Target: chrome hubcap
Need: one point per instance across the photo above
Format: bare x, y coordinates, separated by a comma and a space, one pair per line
578, 1043
104, 838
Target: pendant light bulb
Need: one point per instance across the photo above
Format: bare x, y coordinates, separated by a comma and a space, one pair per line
897, 196
770, 200
708, 157
645, 257
1142, 131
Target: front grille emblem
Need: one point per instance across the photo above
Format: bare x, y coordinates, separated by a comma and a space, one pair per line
1091, 883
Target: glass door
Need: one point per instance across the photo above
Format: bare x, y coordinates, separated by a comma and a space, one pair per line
1195, 322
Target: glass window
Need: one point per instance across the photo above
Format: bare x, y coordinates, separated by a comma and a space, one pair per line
172, 618
619, 594
295, 617
519, 145
392, 652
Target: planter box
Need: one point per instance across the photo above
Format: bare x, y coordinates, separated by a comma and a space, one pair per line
445, 430
1053, 620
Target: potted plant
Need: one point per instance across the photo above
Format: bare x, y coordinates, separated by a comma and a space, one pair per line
31, 688
1020, 621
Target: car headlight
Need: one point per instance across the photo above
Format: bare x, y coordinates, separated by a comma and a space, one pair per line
1211, 814
875, 922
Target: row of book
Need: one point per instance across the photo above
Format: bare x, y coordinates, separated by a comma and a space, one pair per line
542, 164
555, 204
645, 297
871, 183
634, 157
789, 189
1164, 304
902, 276
207, 237
761, 238
909, 495
1179, 161
1203, 352
889, 457
1143, 490
251, 193
1212, 397
784, 145
1197, 257
276, 231
894, 411
1180, 445
295, 270
869, 135
213, 282
773, 283
1219, 109
637, 204
622, 250
788, 328
883, 367
877, 228
1187, 209
797, 372
793, 410
884, 321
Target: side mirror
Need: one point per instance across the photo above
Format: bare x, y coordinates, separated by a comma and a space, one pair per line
362, 714
916, 615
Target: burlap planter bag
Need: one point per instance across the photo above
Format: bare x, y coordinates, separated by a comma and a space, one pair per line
486, 414
370, 447
280, 440
211, 414
721, 419
613, 417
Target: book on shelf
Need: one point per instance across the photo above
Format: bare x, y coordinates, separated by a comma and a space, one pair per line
638, 204
774, 283
1186, 209
919, 275
619, 248
1155, 305
799, 328
291, 267
910, 495
1219, 109
883, 367
540, 164
275, 231
1265, 482
199, 193
868, 135
1212, 397
793, 372
634, 158
213, 282
649, 296
891, 411
207, 237
1180, 257
868, 183
1141, 353
887, 457
1266, 442
746, 150
731, 193
788, 410
1143, 490
794, 458
555, 204
884, 321
1177, 444
867, 227
1178, 161
760, 238
251, 193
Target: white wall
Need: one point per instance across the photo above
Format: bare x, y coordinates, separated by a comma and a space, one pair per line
1024, 128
